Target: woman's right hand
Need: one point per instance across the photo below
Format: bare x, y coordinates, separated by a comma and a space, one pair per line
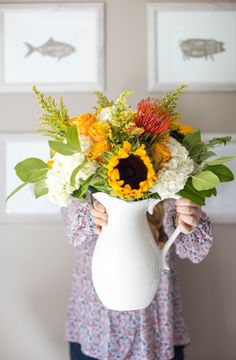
99, 216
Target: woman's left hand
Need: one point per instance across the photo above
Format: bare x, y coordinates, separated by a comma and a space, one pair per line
188, 214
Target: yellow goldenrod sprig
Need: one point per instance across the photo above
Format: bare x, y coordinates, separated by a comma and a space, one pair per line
54, 121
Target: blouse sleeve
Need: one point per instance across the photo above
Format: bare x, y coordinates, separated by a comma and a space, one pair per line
78, 222
195, 245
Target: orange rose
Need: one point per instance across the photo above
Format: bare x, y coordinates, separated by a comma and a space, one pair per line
97, 131
83, 122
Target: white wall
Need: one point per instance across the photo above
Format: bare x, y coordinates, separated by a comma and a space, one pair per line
36, 262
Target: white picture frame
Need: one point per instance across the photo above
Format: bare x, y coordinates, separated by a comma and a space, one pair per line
222, 208
15, 147
58, 47
193, 44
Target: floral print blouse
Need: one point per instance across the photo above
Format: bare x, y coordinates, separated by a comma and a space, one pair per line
149, 333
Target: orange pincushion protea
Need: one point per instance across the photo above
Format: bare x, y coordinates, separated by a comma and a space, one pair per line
152, 117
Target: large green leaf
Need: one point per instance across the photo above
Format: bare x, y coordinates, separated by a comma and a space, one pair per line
222, 171
16, 190
31, 170
205, 180
61, 148
189, 192
73, 138
40, 189
221, 160
191, 140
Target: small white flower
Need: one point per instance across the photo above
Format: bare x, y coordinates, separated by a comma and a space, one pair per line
175, 172
85, 143
106, 113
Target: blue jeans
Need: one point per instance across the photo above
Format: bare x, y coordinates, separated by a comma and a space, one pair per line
76, 353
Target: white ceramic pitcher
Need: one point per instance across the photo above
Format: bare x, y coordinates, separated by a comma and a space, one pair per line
127, 262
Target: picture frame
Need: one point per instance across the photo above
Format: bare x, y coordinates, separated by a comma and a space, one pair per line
193, 44
65, 54
222, 208
15, 147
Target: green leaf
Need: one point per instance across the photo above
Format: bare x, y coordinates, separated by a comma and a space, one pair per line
31, 170
83, 188
222, 171
75, 172
205, 155
16, 190
73, 138
189, 192
191, 140
61, 148
218, 140
196, 150
40, 188
221, 160
208, 193
205, 180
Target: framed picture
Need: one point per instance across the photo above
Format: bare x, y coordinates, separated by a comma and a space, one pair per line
23, 205
222, 208
194, 44
57, 46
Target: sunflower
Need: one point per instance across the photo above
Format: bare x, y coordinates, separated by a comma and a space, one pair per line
130, 174
183, 129
152, 116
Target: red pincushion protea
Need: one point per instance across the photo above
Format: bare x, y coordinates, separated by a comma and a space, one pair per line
152, 117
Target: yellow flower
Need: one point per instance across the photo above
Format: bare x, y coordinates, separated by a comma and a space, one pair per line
183, 129
83, 122
97, 149
160, 153
50, 163
130, 174
97, 131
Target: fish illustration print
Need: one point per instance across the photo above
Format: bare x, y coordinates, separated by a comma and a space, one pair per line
52, 48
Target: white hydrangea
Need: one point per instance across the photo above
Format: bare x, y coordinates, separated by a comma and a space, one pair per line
58, 178
175, 172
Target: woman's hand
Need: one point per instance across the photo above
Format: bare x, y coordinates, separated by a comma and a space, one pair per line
99, 215
188, 214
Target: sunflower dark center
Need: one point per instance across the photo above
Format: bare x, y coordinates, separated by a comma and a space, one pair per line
132, 170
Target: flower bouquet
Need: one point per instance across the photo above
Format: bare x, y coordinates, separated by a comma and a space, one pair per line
129, 159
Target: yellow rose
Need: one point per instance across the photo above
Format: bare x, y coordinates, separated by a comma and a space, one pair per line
160, 153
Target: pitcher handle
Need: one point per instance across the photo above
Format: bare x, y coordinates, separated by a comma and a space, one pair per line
167, 247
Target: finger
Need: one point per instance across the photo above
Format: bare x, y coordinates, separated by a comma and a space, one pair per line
99, 206
184, 227
188, 210
188, 219
100, 222
186, 202
97, 229
98, 214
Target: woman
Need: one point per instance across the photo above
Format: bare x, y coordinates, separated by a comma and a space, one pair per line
157, 332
